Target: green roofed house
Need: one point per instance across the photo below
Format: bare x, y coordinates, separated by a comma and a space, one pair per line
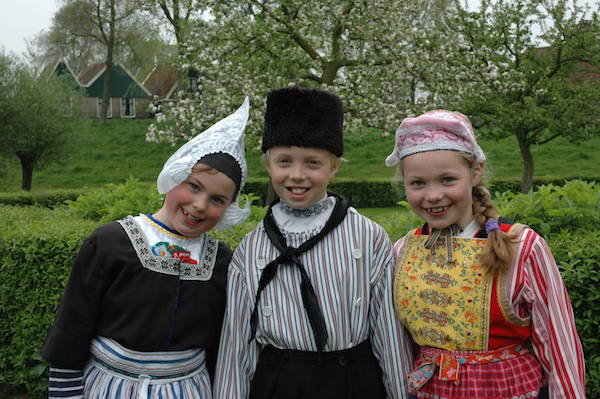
128, 98
60, 68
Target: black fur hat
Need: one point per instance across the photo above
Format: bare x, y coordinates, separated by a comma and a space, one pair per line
304, 117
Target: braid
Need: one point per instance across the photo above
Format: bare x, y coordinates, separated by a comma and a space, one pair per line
498, 253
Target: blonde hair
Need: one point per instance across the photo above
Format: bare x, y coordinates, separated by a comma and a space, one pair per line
498, 253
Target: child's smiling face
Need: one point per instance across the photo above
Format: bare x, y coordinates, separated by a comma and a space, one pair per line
300, 175
197, 204
439, 186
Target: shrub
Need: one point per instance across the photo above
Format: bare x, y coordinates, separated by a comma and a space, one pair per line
115, 201
578, 258
37, 246
551, 208
569, 215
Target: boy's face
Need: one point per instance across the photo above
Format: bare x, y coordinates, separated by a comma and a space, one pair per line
300, 175
197, 204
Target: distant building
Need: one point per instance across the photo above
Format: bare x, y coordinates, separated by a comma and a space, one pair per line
128, 98
60, 68
165, 81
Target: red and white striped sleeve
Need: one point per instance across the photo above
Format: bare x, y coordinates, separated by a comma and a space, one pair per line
399, 245
554, 336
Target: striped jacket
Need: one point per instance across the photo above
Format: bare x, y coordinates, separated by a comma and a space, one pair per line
351, 270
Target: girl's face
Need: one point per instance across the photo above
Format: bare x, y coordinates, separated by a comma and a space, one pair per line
439, 185
300, 175
197, 204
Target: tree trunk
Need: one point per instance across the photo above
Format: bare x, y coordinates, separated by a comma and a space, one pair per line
525, 148
330, 70
109, 63
27, 169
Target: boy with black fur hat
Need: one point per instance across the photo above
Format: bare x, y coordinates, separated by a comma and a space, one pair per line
309, 311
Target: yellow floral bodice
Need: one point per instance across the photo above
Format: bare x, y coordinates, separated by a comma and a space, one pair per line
443, 304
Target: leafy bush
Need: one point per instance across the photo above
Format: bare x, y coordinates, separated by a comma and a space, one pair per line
550, 208
569, 216
115, 201
378, 192
578, 258
37, 246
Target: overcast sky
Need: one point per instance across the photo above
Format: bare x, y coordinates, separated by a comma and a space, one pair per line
23, 19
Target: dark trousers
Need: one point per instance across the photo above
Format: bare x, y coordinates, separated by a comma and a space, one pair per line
289, 374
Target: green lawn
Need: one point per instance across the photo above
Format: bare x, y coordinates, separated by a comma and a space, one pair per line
111, 153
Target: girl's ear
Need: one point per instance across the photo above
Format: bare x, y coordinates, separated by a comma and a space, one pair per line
477, 173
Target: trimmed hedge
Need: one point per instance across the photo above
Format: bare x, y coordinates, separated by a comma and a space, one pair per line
37, 246
48, 199
372, 193
382, 192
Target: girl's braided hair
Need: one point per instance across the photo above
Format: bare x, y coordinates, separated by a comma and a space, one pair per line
499, 252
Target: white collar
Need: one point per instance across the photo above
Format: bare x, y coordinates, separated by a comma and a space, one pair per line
298, 224
470, 230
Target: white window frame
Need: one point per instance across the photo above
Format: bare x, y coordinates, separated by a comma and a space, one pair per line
123, 107
99, 107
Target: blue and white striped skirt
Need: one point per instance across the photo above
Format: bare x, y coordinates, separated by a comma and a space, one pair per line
116, 372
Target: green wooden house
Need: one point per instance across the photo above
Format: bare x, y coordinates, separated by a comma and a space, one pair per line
128, 98
60, 68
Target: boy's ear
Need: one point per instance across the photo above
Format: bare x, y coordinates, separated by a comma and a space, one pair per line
335, 166
477, 173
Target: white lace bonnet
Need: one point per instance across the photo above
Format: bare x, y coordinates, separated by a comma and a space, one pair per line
227, 136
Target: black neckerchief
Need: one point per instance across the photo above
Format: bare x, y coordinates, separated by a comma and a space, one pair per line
291, 255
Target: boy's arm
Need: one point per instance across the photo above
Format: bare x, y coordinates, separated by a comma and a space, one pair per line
237, 357
391, 343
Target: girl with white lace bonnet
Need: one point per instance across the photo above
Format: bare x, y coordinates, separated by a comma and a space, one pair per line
142, 311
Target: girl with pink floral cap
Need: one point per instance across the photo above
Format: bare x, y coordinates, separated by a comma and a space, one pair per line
481, 297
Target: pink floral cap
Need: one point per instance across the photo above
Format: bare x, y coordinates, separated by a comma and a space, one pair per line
433, 131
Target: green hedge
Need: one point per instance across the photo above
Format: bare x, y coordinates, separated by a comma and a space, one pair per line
382, 192
48, 199
37, 246
578, 257
377, 192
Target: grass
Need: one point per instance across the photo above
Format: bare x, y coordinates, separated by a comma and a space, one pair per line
111, 153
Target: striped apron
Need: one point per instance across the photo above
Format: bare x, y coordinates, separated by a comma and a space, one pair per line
116, 372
